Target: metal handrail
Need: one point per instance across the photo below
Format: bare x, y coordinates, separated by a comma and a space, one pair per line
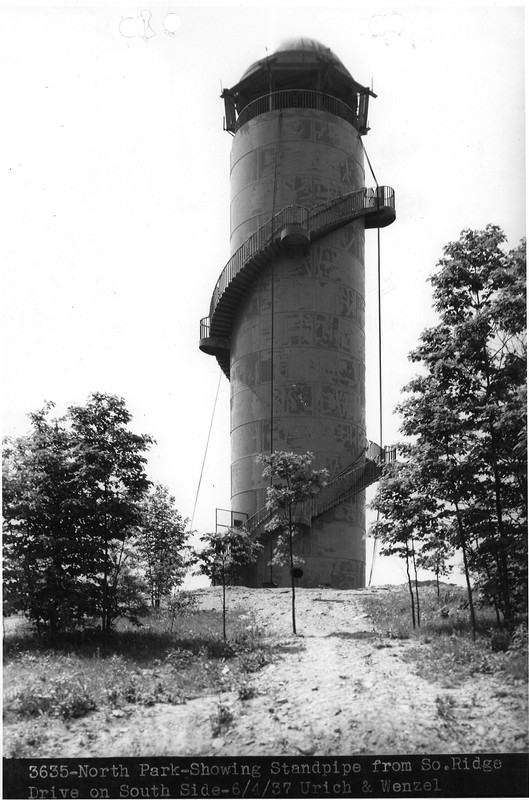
256, 242
315, 220
296, 98
329, 495
346, 483
205, 326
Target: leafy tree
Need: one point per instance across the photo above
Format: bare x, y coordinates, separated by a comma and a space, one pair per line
161, 542
42, 558
442, 464
293, 482
408, 519
465, 412
435, 555
225, 552
113, 481
72, 489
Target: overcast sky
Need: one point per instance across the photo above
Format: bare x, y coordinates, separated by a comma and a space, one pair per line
116, 168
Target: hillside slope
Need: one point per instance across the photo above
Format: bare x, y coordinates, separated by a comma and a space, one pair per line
338, 688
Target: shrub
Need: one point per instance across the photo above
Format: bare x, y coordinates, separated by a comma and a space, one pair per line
222, 719
253, 662
62, 698
519, 637
219, 648
500, 641
184, 602
246, 692
179, 658
445, 706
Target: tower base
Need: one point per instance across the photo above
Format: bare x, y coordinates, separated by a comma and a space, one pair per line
318, 572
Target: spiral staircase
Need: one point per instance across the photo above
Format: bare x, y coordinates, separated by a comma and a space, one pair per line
293, 225
297, 226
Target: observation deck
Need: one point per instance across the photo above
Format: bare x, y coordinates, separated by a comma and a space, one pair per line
355, 114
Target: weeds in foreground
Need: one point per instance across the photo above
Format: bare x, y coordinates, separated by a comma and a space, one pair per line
246, 692
136, 667
64, 697
445, 706
390, 611
456, 658
26, 738
451, 654
222, 719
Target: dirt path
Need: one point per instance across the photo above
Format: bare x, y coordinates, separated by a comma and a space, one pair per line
336, 689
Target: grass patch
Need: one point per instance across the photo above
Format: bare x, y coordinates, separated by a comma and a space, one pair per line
134, 667
451, 655
62, 697
456, 658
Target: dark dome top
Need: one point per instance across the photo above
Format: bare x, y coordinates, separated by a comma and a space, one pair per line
303, 52
302, 68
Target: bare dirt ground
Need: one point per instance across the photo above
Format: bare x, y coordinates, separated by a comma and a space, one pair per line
335, 689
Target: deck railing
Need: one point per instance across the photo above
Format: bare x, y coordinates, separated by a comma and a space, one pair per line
296, 98
205, 326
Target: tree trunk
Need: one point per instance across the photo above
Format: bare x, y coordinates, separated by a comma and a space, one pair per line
104, 600
224, 605
292, 570
465, 565
494, 597
504, 572
410, 587
416, 583
497, 610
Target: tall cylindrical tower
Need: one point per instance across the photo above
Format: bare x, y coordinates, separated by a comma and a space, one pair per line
287, 315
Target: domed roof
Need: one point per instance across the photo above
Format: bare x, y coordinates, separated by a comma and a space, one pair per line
318, 50
305, 53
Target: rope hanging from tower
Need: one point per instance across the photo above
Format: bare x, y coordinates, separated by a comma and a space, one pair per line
205, 453
368, 161
380, 391
272, 284
272, 314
